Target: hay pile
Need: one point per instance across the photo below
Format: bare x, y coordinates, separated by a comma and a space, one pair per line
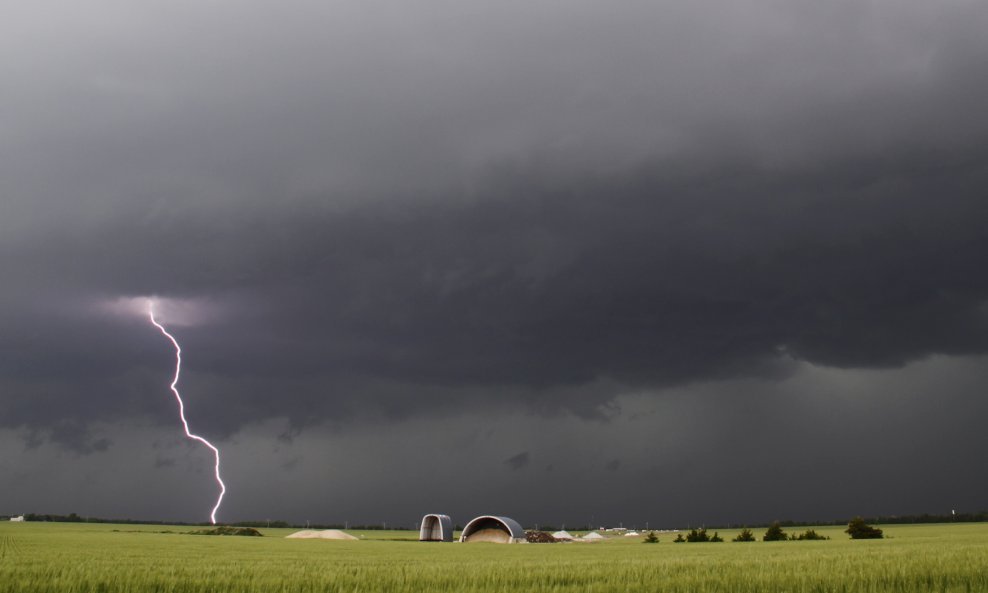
316, 534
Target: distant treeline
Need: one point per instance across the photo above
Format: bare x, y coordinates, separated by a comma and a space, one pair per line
882, 519
74, 518
357, 526
886, 520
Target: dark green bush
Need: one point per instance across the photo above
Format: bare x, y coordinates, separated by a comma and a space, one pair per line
774, 533
745, 536
227, 530
809, 534
697, 536
858, 529
650, 538
679, 539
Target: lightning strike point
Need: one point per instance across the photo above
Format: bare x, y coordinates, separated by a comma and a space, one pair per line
181, 410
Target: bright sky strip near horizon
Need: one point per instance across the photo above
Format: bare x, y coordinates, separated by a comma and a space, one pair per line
181, 412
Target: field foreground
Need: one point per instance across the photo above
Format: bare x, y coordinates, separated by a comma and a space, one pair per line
60, 557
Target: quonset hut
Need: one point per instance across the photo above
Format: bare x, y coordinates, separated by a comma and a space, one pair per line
488, 528
436, 528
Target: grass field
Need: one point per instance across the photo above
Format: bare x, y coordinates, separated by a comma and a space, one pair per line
63, 557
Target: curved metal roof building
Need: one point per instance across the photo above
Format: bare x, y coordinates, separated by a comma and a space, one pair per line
488, 528
436, 528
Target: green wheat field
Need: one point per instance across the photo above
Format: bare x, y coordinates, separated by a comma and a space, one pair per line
80, 557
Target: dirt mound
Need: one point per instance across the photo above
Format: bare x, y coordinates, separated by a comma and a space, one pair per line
539, 537
316, 534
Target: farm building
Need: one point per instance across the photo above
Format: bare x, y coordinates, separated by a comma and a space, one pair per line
436, 528
488, 528
17, 519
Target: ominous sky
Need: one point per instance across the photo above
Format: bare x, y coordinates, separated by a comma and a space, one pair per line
562, 260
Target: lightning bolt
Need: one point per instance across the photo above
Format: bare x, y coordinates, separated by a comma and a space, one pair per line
181, 410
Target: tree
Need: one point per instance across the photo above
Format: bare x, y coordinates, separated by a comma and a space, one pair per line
698, 536
858, 529
774, 533
651, 538
679, 539
745, 536
716, 537
809, 534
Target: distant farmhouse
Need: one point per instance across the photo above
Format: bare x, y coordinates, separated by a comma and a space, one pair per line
18, 519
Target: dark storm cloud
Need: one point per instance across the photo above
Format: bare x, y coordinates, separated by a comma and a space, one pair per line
164, 462
650, 278
519, 461
536, 206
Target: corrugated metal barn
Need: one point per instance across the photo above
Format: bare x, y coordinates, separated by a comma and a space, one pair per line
488, 528
436, 528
